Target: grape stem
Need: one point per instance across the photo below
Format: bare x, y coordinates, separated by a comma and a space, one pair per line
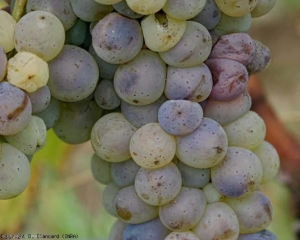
18, 9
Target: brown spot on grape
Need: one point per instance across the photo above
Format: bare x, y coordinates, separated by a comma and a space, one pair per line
124, 213
227, 234
134, 153
218, 149
268, 210
30, 76
156, 162
14, 114
145, 196
42, 17
135, 101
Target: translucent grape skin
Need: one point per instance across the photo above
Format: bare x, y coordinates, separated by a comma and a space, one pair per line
193, 177
106, 96
40, 33
182, 236
14, 171
151, 147
108, 198
62, 9
239, 172
7, 25
123, 8
235, 8
158, 186
51, 114
254, 211
101, 169
123, 173
3, 63
151, 230
218, 222
230, 79
74, 35
131, 209
225, 112
193, 48
40, 99
15, 109
237, 46
262, 235
262, 7
142, 80
90, 10
184, 211
141, 115
209, 16
111, 136
248, 131
212, 194
194, 84
74, 74
116, 232
180, 117
117, 39
203, 148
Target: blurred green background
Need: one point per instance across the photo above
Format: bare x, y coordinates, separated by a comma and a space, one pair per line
63, 197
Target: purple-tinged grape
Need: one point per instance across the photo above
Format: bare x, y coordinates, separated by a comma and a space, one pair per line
203, 148
151, 230
270, 161
194, 84
229, 25
262, 235
225, 112
248, 131
209, 16
14, 171
254, 211
75, 36
230, 79
158, 186
123, 173
183, 9
193, 177
142, 80
90, 10
261, 60
131, 209
15, 109
239, 172
62, 9
76, 121
73, 74
235, 8
146, 7
237, 46
51, 114
7, 26
107, 70
40, 99
141, 115
184, 211
116, 231
111, 136
123, 8
262, 7
212, 194
219, 222
151, 147
101, 169
193, 48
214, 37
182, 236
117, 39
108, 198
3, 64
161, 31
106, 96
180, 117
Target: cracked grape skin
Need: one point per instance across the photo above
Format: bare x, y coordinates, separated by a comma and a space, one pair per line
158, 186
142, 80
193, 84
117, 39
203, 148
3, 64
239, 172
110, 137
15, 109
131, 209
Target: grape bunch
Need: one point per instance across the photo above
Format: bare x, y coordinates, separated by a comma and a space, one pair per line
160, 89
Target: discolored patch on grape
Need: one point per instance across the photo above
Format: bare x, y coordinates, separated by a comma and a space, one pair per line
124, 214
134, 153
156, 162
18, 110
227, 234
42, 17
30, 76
219, 149
176, 225
145, 196
268, 210
187, 57
161, 18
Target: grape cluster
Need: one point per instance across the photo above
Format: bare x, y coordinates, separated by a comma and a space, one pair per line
160, 89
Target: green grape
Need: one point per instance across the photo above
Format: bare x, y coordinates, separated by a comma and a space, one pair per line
146, 7
3, 64
7, 28
108, 198
51, 114
182, 236
14, 171
151, 147
101, 169
75, 36
111, 136
123, 8
212, 194
40, 33
108, 2
236, 8
32, 138
262, 7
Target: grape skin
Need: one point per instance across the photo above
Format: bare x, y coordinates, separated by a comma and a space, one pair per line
7, 26
3, 64
101, 169
108, 198
262, 7
235, 8
211, 193
51, 114
117, 230
182, 236
74, 35
262, 235
146, 7
40, 99
123, 8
